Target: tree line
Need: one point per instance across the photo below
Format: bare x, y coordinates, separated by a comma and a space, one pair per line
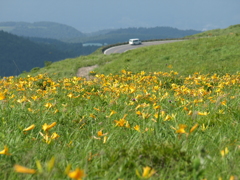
18, 54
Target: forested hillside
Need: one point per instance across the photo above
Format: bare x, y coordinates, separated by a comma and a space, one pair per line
41, 29
110, 36
18, 54
122, 35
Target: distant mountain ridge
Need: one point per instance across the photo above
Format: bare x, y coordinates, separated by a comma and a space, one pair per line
41, 29
123, 35
110, 36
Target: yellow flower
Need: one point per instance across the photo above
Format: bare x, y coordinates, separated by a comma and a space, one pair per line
168, 117
34, 98
193, 128
92, 116
105, 139
47, 127
100, 133
127, 124
77, 174
224, 103
203, 113
181, 129
121, 122
124, 71
97, 109
70, 95
54, 136
224, 152
137, 128
185, 108
147, 172
2, 96
190, 112
45, 137
5, 151
138, 113
48, 105
112, 113
22, 169
29, 128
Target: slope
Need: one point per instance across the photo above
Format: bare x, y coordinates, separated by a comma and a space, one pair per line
218, 54
18, 54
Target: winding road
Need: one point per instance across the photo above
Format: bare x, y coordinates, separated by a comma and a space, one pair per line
124, 48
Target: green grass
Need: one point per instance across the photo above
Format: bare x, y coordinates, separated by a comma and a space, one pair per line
114, 126
234, 29
205, 55
139, 134
214, 54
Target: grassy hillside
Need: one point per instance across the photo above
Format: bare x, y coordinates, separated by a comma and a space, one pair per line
127, 125
205, 55
234, 29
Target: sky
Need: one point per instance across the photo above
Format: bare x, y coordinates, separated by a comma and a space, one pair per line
93, 15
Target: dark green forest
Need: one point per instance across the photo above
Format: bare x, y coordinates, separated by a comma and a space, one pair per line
18, 54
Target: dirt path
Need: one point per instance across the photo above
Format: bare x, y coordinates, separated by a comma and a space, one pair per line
84, 71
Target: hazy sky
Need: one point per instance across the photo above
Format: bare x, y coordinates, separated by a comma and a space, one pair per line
93, 15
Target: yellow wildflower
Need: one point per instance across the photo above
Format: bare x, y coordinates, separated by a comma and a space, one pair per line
112, 113
181, 129
48, 105
224, 152
168, 117
147, 172
70, 95
127, 125
77, 174
47, 127
54, 135
203, 113
5, 151
105, 139
100, 133
29, 128
137, 128
22, 169
2, 96
92, 116
193, 128
190, 112
121, 122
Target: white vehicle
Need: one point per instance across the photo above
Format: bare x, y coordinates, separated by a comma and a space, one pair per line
134, 41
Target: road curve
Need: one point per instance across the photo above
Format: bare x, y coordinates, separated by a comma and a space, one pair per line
126, 47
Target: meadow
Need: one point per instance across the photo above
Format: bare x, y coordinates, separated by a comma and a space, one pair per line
170, 122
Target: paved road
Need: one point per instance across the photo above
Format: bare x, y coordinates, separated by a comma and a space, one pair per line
124, 48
